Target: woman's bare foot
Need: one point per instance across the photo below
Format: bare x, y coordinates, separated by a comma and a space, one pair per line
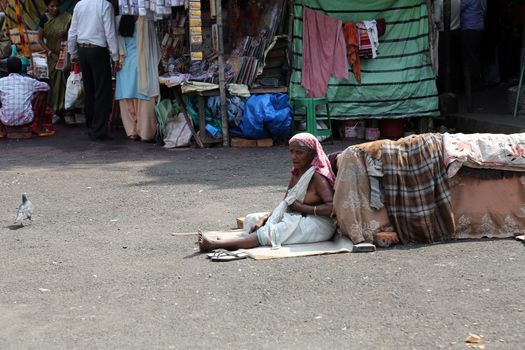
385, 239
205, 245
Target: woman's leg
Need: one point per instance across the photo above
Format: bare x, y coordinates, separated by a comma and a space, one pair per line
247, 242
128, 114
146, 120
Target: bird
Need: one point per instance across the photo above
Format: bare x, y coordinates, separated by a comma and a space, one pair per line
25, 211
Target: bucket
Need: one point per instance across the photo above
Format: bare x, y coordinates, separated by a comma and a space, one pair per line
372, 134
348, 130
392, 128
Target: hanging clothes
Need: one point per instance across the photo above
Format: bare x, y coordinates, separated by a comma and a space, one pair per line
323, 52
371, 30
365, 47
352, 49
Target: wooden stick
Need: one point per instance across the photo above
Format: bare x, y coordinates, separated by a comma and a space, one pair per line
222, 91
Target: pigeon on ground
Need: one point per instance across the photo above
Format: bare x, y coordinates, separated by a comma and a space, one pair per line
25, 211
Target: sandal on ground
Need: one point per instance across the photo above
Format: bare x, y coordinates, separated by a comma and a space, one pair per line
226, 255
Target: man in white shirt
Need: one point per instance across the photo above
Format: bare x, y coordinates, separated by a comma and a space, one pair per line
92, 41
456, 76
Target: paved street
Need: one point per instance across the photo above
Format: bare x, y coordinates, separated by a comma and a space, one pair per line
100, 268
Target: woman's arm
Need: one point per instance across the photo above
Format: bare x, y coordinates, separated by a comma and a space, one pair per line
121, 45
326, 194
41, 41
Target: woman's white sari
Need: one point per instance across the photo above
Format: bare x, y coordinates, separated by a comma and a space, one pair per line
288, 227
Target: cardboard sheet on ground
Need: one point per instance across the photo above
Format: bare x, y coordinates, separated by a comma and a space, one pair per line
340, 245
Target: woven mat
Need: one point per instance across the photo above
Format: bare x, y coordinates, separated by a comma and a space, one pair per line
340, 245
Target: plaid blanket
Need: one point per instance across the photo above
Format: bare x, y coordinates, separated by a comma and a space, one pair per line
417, 196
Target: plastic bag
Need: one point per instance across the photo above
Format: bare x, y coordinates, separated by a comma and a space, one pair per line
178, 133
267, 115
164, 111
74, 89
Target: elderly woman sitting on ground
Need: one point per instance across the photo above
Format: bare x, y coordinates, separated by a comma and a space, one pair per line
304, 216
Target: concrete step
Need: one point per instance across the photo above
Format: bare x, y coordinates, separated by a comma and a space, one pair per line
486, 123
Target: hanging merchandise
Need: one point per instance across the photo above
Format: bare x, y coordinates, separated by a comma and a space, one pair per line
21, 31
39, 68
158, 8
195, 30
62, 56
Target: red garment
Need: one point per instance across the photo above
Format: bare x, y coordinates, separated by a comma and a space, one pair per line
365, 46
352, 49
323, 52
42, 125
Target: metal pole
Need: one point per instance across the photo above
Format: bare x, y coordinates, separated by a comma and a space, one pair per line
522, 69
222, 90
523, 36
518, 92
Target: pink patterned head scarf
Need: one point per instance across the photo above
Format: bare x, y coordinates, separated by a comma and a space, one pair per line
320, 161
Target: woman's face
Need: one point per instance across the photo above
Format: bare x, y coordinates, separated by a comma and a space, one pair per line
301, 157
52, 8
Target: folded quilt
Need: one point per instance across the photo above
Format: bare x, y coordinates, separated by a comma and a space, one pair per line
493, 151
417, 195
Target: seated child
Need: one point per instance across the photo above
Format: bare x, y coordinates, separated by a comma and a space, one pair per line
16, 93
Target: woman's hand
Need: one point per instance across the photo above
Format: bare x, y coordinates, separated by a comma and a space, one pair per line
260, 223
62, 34
297, 206
120, 63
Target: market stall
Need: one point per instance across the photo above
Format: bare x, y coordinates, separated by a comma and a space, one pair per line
220, 53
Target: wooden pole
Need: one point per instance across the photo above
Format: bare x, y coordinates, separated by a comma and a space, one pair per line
291, 16
447, 10
222, 87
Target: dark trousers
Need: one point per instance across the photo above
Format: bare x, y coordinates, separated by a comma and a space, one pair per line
98, 93
456, 62
471, 41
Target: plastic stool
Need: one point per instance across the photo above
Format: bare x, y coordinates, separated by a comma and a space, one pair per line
311, 117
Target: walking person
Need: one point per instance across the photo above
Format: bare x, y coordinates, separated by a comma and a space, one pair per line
472, 24
92, 41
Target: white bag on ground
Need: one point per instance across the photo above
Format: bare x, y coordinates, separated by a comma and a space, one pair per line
178, 133
74, 90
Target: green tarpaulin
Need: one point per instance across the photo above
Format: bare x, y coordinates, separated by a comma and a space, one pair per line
399, 82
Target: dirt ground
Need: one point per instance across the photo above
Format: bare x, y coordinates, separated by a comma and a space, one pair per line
100, 268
